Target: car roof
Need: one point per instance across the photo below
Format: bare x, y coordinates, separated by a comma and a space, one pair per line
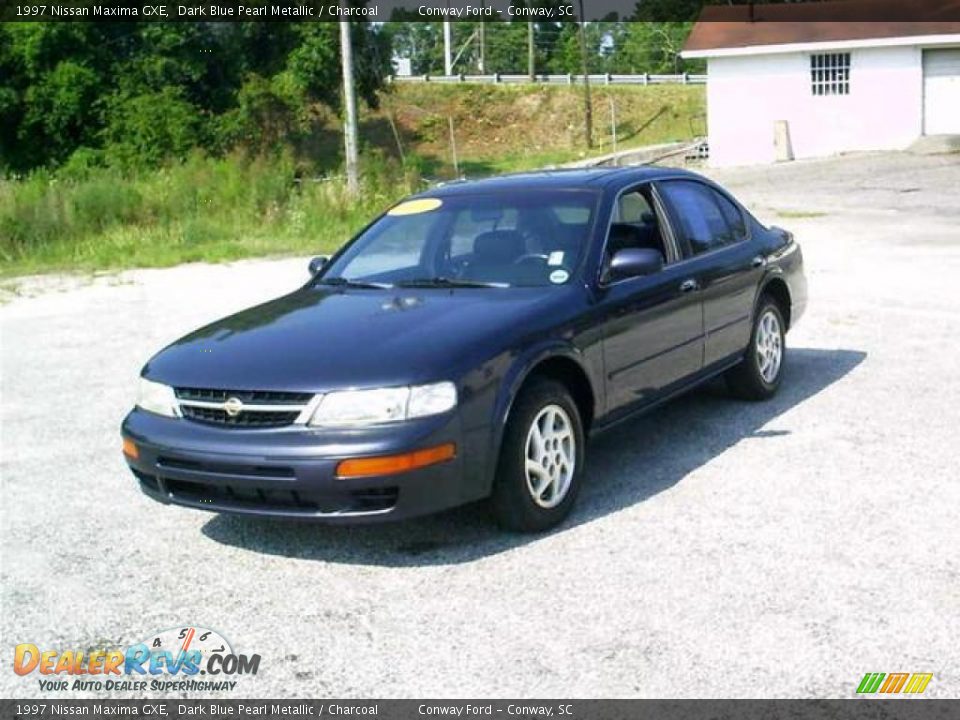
560, 179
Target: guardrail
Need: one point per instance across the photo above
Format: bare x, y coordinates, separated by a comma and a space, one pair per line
599, 79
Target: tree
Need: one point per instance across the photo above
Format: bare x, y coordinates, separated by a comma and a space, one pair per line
652, 47
506, 47
50, 77
140, 93
421, 42
148, 128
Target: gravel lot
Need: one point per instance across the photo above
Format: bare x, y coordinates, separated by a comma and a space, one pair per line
719, 549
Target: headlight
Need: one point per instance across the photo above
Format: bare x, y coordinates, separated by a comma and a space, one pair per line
384, 405
431, 399
157, 398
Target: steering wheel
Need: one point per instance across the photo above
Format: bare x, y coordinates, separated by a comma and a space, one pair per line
455, 268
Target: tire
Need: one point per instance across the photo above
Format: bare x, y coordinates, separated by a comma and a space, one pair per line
758, 375
514, 501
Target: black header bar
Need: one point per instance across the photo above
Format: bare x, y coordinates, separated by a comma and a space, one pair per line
481, 10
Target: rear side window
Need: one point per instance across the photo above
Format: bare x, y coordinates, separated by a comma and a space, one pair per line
733, 215
707, 220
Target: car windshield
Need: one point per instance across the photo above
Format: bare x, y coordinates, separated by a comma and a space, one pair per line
523, 238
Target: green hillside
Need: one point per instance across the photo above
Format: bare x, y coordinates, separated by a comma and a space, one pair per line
507, 128
292, 200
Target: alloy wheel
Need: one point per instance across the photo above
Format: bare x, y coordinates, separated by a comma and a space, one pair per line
551, 455
769, 346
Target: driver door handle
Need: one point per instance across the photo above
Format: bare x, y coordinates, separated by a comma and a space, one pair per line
689, 286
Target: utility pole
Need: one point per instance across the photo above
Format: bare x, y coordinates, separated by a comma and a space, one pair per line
613, 125
530, 51
483, 40
447, 57
350, 107
587, 105
453, 149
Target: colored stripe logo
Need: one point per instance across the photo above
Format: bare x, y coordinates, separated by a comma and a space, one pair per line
907, 683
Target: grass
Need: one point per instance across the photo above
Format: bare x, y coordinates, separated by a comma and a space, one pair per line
205, 209
214, 210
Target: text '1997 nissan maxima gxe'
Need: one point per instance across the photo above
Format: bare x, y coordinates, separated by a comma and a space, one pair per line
464, 345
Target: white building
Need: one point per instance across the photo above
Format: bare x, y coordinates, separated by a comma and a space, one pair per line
779, 90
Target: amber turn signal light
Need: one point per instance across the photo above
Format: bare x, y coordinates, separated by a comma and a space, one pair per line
130, 449
393, 464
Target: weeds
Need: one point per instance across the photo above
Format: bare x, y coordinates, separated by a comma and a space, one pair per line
800, 214
202, 209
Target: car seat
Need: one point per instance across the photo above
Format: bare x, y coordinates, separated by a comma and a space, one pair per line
495, 250
628, 235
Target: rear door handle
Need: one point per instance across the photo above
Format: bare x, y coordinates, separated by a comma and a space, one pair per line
758, 261
689, 285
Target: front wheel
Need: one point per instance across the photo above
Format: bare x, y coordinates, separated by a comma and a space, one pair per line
758, 375
541, 459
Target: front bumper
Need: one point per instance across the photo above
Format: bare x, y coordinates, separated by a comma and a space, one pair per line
290, 472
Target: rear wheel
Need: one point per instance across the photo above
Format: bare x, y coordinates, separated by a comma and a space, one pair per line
541, 459
758, 375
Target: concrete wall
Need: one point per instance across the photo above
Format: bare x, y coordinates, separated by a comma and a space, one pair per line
747, 95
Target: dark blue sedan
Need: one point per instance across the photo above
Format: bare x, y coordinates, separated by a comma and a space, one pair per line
464, 346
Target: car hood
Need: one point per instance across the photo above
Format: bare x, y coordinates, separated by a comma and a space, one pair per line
318, 339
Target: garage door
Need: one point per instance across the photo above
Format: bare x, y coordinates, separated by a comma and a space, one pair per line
941, 91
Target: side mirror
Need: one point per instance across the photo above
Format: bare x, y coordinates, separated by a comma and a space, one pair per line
785, 234
317, 263
634, 262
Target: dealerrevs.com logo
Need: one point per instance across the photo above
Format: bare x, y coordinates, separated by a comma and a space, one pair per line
894, 683
179, 659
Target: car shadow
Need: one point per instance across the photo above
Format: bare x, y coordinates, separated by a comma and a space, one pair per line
626, 465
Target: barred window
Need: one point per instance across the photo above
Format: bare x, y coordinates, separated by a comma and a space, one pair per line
830, 74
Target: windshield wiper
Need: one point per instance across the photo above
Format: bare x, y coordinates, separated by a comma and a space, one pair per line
344, 282
446, 282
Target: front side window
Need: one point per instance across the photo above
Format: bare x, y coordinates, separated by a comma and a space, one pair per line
529, 238
703, 225
633, 207
830, 74
635, 225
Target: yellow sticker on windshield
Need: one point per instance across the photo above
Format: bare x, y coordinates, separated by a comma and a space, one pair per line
415, 207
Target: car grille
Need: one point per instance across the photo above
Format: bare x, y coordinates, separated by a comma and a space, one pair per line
255, 397
247, 471
262, 497
241, 408
246, 418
